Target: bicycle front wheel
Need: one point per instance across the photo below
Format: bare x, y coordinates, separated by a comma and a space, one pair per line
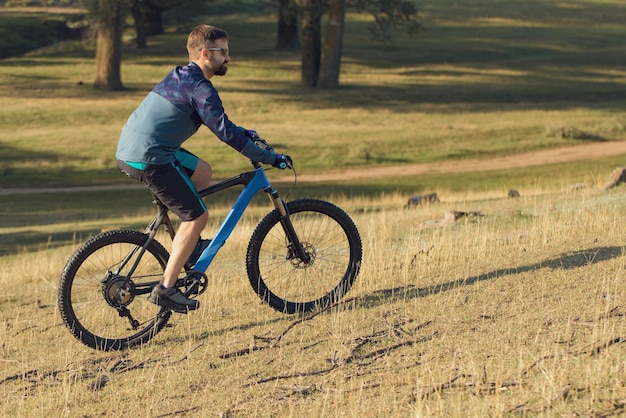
330, 239
102, 303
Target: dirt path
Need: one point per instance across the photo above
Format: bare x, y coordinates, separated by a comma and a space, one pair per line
527, 159
559, 155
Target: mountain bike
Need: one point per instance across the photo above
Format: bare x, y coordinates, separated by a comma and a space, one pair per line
304, 255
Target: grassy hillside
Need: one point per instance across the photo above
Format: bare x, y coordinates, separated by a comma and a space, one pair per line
518, 312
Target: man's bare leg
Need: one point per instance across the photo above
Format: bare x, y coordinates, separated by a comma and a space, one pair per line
188, 232
184, 242
202, 175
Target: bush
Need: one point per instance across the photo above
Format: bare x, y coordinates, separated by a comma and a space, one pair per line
19, 35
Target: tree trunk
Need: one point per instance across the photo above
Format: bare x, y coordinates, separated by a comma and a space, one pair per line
109, 45
311, 44
333, 44
287, 36
153, 18
139, 16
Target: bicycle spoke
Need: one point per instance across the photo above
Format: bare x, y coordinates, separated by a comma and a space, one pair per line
101, 305
332, 244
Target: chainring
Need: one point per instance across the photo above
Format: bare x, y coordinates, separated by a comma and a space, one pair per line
195, 283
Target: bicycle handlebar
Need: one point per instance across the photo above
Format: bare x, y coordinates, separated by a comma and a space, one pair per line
262, 143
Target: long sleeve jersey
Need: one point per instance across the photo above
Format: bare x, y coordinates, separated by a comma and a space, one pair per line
172, 112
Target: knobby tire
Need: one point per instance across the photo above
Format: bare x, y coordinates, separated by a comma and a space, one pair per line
290, 286
91, 291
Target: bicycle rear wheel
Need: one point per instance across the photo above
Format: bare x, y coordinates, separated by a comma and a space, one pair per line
330, 239
100, 304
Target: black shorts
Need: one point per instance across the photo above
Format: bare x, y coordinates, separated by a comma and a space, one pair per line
171, 184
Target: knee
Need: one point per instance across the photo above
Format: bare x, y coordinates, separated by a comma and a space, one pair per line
202, 176
201, 220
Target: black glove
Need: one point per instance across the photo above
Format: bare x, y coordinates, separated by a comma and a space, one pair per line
283, 161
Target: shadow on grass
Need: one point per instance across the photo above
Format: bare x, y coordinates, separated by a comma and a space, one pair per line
32, 241
565, 261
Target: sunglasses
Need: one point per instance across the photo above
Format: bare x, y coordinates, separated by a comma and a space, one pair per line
225, 51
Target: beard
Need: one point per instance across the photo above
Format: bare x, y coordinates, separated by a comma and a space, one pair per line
221, 71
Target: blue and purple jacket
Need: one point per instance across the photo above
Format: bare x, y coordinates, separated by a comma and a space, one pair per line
172, 112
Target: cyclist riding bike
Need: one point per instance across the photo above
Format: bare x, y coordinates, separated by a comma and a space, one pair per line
149, 150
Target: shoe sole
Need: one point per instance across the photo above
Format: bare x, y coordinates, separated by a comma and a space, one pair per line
182, 309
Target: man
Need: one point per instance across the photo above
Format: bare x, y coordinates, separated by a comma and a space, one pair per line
149, 149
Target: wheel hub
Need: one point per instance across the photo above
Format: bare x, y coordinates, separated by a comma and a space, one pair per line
309, 249
118, 291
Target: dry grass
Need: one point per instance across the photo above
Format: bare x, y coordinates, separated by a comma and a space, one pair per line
518, 312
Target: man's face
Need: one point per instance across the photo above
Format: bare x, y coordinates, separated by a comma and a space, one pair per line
218, 57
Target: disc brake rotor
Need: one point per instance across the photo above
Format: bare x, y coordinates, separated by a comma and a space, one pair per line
309, 249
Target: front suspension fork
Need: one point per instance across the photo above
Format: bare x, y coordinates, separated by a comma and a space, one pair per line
294, 245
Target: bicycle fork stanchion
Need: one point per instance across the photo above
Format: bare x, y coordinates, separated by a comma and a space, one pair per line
294, 243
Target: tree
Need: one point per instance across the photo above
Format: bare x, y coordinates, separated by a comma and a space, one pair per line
389, 16
333, 45
139, 17
147, 16
108, 18
287, 38
321, 67
311, 41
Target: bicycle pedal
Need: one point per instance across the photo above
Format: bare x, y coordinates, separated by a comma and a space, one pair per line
192, 290
195, 283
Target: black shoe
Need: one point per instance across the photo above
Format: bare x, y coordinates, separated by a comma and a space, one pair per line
197, 252
173, 299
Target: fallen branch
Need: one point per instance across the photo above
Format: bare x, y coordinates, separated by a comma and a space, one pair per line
292, 376
585, 350
607, 344
480, 386
352, 358
561, 395
308, 318
273, 342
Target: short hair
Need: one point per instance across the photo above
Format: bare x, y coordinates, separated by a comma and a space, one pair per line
201, 36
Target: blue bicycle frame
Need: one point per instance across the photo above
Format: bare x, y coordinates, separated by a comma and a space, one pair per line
253, 181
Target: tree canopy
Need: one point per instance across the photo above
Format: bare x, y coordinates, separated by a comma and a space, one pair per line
321, 53
300, 24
